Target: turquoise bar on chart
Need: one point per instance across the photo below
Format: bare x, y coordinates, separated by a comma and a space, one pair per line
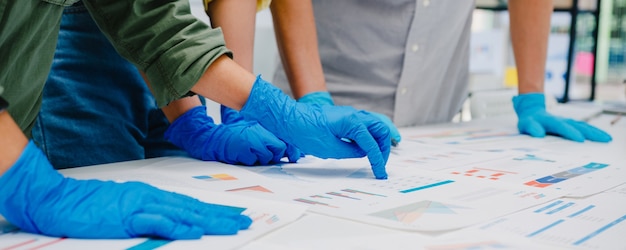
150, 244
426, 186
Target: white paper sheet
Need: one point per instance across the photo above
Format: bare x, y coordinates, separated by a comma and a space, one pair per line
597, 222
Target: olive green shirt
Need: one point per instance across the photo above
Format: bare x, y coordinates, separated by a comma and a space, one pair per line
161, 38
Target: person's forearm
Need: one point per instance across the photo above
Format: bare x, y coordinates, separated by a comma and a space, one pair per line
175, 108
296, 37
530, 28
225, 82
12, 142
237, 20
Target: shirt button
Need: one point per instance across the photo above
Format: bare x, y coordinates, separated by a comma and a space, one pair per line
414, 48
426, 3
403, 91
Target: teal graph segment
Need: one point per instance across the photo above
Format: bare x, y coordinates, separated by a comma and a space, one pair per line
426, 186
150, 244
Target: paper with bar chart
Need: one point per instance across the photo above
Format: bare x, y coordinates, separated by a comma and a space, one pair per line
422, 202
597, 222
578, 176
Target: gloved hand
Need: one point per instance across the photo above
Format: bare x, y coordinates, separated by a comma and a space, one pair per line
317, 130
324, 98
39, 200
231, 116
534, 120
244, 142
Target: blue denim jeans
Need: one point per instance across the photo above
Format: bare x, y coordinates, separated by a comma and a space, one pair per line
96, 107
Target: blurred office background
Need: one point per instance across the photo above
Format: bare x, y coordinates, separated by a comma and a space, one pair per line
598, 43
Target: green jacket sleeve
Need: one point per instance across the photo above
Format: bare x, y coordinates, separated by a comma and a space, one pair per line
163, 39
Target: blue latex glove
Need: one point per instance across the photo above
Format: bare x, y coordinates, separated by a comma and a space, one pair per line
243, 142
231, 116
317, 130
324, 98
535, 121
39, 200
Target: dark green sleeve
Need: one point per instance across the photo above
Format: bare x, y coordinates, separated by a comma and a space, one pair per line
28, 36
163, 39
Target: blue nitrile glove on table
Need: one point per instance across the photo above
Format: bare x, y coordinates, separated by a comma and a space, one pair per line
243, 142
317, 130
37, 199
231, 116
535, 121
324, 98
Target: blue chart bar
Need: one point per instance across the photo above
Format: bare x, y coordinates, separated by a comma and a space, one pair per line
548, 206
150, 244
569, 204
426, 186
581, 211
545, 228
602, 229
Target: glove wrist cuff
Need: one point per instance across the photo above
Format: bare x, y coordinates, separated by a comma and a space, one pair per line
29, 179
320, 97
530, 101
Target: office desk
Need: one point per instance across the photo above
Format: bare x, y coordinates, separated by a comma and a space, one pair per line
318, 229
